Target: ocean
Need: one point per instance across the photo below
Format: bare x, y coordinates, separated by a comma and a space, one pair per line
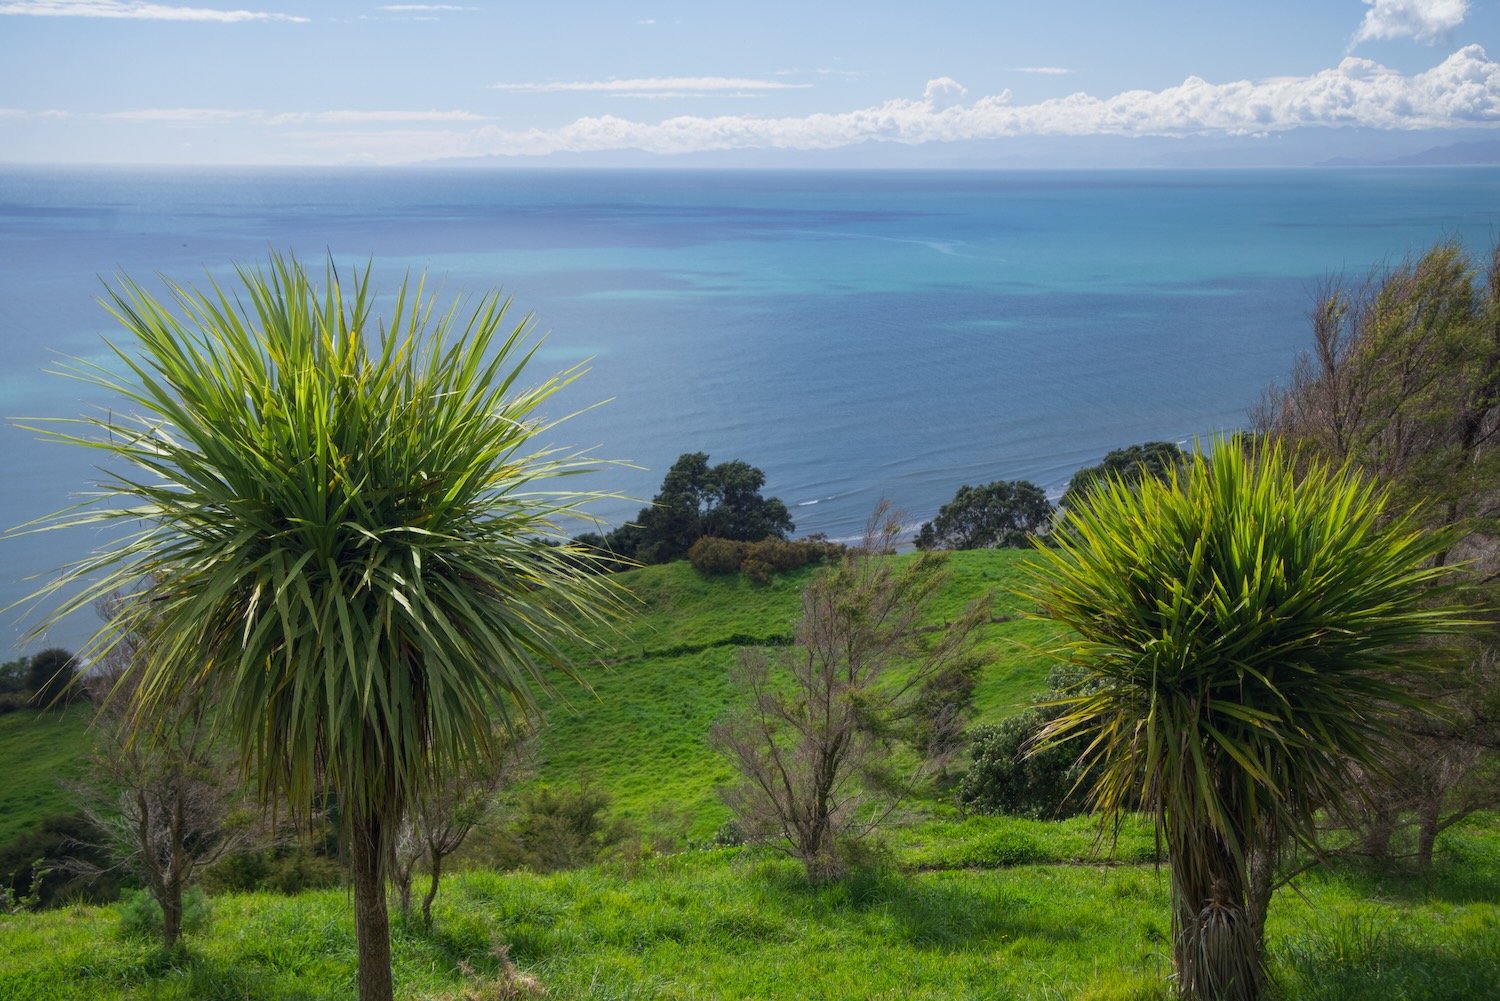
856, 335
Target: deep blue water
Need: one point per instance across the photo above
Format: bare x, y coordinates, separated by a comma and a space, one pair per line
854, 334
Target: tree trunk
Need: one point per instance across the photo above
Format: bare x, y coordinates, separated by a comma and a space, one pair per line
171, 915
372, 927
1429, 815
1375, 840
1262, 863
1214, 946
432, 889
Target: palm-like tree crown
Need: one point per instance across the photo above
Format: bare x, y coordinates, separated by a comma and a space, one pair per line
337, 530
1246, 630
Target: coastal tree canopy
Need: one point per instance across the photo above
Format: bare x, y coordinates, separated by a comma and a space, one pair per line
1403, 382
1130, 464
1003, 514
698, 500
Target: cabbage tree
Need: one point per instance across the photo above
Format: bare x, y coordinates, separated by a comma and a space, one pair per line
339, 528
1245, 632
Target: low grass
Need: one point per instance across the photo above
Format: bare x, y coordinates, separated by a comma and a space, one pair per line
728, 923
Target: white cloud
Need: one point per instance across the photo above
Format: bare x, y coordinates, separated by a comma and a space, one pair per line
370, 117
133, 10
944, 92
183, 116
675, 85
223, 116
1043, 70
1423, 20
1463, 90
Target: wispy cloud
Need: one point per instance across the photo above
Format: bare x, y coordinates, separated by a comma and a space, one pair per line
183, 116
132, 10
1043, 70
820, 71
654, 86
1423, 20
222, 116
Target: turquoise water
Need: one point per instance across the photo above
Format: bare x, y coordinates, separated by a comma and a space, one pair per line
856, 335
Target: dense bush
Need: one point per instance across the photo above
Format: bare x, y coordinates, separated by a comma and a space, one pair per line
64, 845
283, 868
711, 555
141, 917
759, 560
1005, 778
1132, 464
554, 828
41, 680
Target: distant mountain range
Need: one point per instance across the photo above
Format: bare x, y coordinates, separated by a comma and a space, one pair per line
1310, 147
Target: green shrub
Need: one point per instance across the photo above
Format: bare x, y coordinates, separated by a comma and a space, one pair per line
140, 914
553, 829
284, 868
710, 555
758, 571
69, 838
1005, 777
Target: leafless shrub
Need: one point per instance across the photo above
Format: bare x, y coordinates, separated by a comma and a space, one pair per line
816, 737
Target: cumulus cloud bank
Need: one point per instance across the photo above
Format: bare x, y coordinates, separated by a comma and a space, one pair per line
1423, 20
1463, 90
133, 10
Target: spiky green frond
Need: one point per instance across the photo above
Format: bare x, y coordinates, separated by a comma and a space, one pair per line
338, 524
1244, 629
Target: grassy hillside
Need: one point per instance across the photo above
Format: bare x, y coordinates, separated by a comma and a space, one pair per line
962, 908
39, 752
643, 734
658, 684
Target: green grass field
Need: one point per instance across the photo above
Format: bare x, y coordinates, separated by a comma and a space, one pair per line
727, 923
958, 908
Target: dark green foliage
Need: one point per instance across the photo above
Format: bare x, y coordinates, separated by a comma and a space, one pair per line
712, 555
1003, 514
695, 500
50, 676
42, 680
557, 828
1008, 776
289, 867
141, 915
759, 560
1156, 459
75, 868
13, 675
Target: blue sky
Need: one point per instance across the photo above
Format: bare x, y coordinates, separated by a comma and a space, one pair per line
299, 82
